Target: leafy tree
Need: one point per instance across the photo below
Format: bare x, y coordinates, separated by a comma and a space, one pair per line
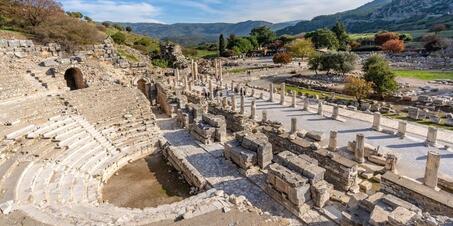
358, 87
314, 62
129, 29
118, 27
34, 12
221, 45
378, 71
393, 46
119, 37
253, 41
433, 43
406, 37
384, 37
437, 28
324, 38
302, 48
345, 62
264, 35
342, 35
282, 58
106, 24
77, 15
239, 45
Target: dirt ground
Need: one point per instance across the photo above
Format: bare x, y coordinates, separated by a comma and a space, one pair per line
231, 218
147, 182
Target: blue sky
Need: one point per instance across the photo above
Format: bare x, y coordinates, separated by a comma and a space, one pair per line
207, 11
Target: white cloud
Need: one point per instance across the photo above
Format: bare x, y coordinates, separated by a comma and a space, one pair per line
117, 11
286, 10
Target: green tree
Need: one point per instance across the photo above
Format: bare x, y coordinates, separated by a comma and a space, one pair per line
119, 37
129, 29
342, 35
324, 38
221, 45
77, 15
358, 87
264, 35
314, 62
345, 62
239, 45
302, 48
378, 71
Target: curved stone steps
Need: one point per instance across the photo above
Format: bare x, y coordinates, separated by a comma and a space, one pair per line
8, 186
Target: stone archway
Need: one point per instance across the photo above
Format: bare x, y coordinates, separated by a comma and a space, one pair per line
141, 85
74, 79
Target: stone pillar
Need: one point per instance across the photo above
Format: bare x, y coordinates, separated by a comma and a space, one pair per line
262, 96
233, 103
242, 104
271, 92
294, 101
431, 138
283, 93
253, 110
190, 85
232, 86
390, 163
196, 70
306, 103
225, 103
333, 141
360, 148
402, 129
216, 68
320, 108
253, 93
335, 112
211, 89
220, 70
185, 83
177, 75
432, 168
377, 121
264, 117
293, 125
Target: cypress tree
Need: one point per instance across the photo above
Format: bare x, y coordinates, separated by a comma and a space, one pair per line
221, 45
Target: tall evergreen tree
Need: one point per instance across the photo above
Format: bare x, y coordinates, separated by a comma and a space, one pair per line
342, 35
221, 45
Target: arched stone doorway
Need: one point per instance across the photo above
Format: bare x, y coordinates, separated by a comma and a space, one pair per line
74, 79
141, 85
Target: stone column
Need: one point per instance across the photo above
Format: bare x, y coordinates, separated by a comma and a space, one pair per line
232, 86
320, 108
185, 83
335, 112
225, 103
432, 168
253, 93
233, 103
293, 125
216, 68
306, 103
211, 89
262, 96
220, 70
402, 129
390, 163
283, 93
190, 85
264, 117
271, 92
177, 75
196, 70
377, 121
294, 101
242, 104
333, 141
431, 138
253, 110
360, 148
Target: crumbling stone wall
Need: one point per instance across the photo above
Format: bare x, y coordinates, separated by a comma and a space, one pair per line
235, 122
249, 150
165, 100
430, 200
340, 171
24, 48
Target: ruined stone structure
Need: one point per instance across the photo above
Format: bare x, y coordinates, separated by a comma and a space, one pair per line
249, 150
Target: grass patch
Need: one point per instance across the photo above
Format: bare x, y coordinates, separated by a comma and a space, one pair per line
237, 70
321, 94
424, 75
143, 43
403, 116
9, 34
126, 55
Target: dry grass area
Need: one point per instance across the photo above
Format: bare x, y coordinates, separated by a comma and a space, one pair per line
7, 34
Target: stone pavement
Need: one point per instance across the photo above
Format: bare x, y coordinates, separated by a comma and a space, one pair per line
222, 174
411, 150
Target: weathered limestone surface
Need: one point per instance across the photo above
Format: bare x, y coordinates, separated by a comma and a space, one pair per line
249, 150
210, 129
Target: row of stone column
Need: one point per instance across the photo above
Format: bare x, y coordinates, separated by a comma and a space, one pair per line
218, 69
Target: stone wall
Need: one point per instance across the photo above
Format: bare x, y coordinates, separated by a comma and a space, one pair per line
235, 121
340, 171
430, 200
165, 100
24, 48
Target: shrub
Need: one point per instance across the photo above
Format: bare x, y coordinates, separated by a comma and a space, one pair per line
282, 58
393, 46
384, 37
119, 37
68, 32
314, 62
162, 63
302, 48
358, 87
378, 71
34, 12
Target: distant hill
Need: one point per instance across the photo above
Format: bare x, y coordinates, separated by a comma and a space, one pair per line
383, 15
194, 33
